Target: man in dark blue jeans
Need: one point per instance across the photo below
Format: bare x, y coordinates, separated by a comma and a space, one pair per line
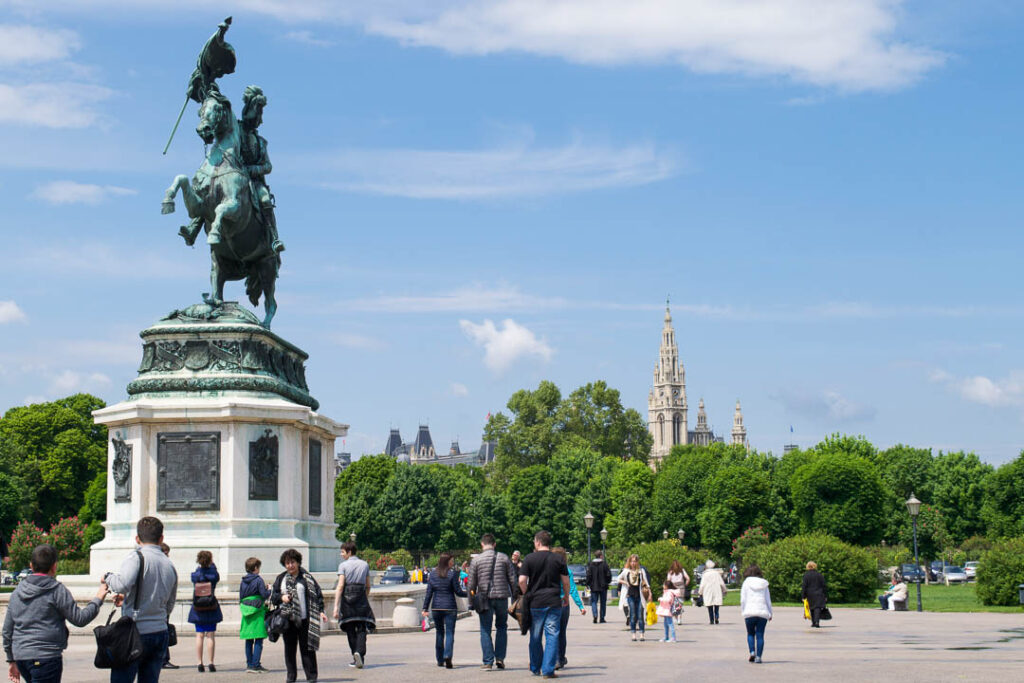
492, 573
148, 600
544, 578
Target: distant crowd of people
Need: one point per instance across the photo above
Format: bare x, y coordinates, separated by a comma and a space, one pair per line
537, 591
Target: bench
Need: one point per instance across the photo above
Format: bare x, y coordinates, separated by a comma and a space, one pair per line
899, 605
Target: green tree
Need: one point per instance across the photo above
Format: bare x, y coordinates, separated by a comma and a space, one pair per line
356, 492
680, 489
524, 511
840, 494
1003, 506
631, 522
932, 535
94, 510
904, 470
959, 492
409, 509
736, 498
594, 413
53, 448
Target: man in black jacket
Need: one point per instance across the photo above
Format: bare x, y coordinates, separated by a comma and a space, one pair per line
599, 576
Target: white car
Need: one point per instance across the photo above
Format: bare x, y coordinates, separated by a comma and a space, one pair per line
953, 574
971, 569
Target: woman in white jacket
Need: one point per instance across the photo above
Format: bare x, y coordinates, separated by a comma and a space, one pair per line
756, 607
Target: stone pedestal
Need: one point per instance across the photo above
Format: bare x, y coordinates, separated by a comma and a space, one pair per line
221, 441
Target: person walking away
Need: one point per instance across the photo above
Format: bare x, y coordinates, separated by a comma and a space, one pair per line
756, 608
34, 633
252, 597
712, 590
681, 583
542, 579
636, 584
563, 623
442, 588
599, 577
166, 550
492, 574
352, 608
517, 565
812, 589
299, 595
156, 593
205, 612
666, 604
464, 575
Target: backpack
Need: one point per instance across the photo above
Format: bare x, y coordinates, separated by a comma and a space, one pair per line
203, 599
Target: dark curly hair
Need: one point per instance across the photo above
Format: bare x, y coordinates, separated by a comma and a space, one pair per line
291, 554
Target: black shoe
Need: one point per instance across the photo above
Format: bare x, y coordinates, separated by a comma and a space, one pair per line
168, 665
212, 668
441, 663
448, 663
602, 622
202, 668
716, 621
751, 660
500, 663
551, 675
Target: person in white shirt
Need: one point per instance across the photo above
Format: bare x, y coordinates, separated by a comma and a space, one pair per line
756, 608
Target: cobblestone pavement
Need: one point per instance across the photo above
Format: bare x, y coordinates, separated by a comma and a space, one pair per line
857, 645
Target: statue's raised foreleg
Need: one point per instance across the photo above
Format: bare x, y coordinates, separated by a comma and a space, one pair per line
227, 210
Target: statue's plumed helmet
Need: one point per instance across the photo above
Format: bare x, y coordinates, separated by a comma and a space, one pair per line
254, 97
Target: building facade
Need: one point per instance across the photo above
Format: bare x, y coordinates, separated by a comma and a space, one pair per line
667, 409
422, 452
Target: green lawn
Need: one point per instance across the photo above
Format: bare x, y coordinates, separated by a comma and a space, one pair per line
935, 598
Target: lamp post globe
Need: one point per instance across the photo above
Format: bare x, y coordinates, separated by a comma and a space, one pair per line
914, 508
664, 534
604, 537
588, 521
681, 534
352, 537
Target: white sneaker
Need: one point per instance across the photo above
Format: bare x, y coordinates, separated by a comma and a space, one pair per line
359, 660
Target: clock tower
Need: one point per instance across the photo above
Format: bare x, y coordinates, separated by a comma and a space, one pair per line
666, 404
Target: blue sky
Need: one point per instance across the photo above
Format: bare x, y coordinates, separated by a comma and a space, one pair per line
479, 196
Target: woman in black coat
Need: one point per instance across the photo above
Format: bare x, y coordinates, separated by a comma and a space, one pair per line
813, 591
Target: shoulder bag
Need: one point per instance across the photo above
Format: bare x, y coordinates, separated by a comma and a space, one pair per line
203, 598
482, 599
119, 645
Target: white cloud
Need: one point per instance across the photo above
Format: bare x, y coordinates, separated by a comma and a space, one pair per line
10, 312
52, 105
70, 192
307, 38
518, 169
357, 341
103, 260
825, 406
995, 393
504, 346
32, 44
478, 298
848, 44
459, 389
70, 381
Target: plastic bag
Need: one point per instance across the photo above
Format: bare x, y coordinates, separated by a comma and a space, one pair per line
652, 614
807, 609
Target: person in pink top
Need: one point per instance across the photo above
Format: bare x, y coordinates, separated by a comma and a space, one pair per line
665, 604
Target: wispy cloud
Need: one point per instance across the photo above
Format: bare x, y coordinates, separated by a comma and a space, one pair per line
10, 312
70, 192
995, 393
52, 105
505, 345
307, 38
827, 406
71, 381
513, 170
478, 298
21, 44
459, 390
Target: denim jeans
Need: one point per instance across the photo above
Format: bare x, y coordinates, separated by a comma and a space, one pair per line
755, 634
147, 668
713, 614
444, 636
41, 670
598, 604
498, 614
636, 614
563, 626
253, 652
670, 627
544, 625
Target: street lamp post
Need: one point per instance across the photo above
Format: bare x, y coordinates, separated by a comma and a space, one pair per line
664, 534
588, 520
914, 507
352, 537
604, 537
681, 534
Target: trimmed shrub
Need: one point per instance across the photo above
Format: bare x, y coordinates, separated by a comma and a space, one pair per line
751, 538
402, 557
25, 538
1000, 572
657, 556
851, 573
67, 567
68, 537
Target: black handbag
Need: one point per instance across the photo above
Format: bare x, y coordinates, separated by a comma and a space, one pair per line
482, 600
825, 614
276, 623
119, 645
172, 635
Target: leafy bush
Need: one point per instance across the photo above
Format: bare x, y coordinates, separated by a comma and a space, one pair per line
1001, 572
851, 573
73, 567
68, 537
975, 546
370, 556
25, 538
402, 557
657, 556
94, 533
751, 538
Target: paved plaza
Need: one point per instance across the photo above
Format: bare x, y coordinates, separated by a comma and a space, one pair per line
857, 645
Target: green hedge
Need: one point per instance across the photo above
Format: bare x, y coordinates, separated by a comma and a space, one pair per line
1000, 572
851, 573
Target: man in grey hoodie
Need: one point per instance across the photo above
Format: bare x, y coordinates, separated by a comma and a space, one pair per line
34, 631
157, 591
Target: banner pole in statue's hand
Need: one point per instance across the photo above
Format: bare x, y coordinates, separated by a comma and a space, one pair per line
175, 129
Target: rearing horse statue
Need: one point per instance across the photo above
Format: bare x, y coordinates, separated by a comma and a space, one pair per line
221, 194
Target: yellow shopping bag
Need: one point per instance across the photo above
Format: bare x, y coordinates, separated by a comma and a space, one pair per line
652, 614
807, 609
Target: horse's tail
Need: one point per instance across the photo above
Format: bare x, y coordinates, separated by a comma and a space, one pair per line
261, 277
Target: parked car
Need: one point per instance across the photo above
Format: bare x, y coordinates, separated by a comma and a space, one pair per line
911, 573
971, 569
951, 574
395, 574
578, 572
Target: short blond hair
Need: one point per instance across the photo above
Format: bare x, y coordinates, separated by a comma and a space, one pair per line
812, 565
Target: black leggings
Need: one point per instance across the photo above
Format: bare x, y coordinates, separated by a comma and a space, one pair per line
296, 638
